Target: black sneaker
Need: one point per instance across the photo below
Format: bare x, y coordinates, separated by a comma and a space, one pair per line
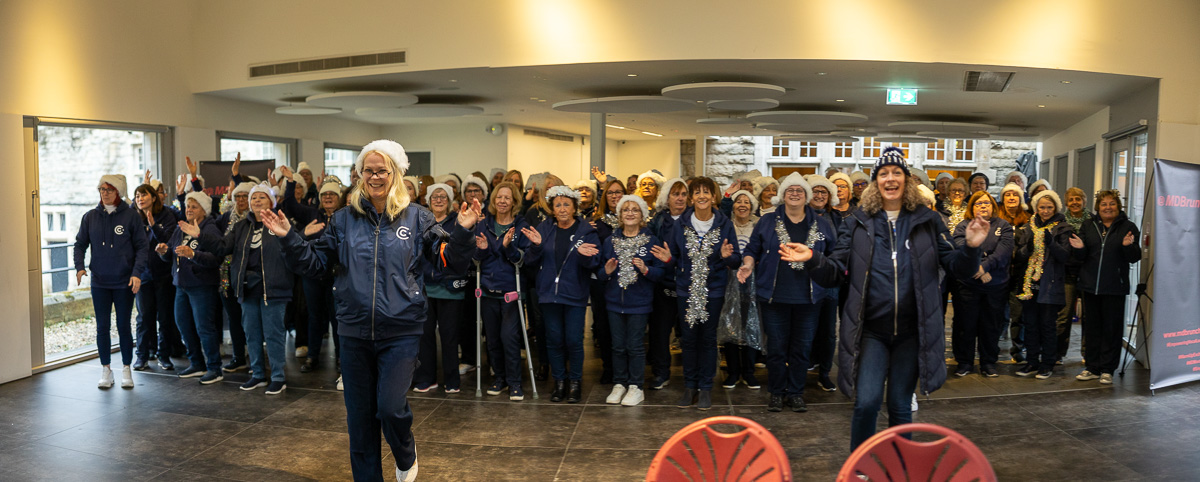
235, 364
989, 371
191, 372
164, 363
826, 384
497, 387
751, 382
1027, 370
660, 383
516, 394
962, 371
688, 398
1044, 374
730, 382
211, 377
275, 388
308, 365
797, 403
253, 383
705, 400
775, 404
140, 364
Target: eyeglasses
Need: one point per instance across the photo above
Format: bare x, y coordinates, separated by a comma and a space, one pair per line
106, 190
439, 197
368, 173
615, 193
631, 210
958, 191
794, 190
982, 203
861, 184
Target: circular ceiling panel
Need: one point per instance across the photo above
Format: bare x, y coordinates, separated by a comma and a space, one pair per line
807, 117
914, 126
799, 128
361, 99
724, 91
306, 110
1014, 134
952, 135
817, 138
420, 111
631, 104
722, 120
743, 105
906, 139
855, 133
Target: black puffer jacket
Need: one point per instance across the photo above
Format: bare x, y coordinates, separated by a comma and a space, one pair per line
1105, 269
929, 247
1050, 289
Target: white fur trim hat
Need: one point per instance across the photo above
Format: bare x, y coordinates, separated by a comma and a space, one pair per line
793, 179
1024, 180
557, 191
927, 194
117, 181
244, 187
588, 184
202, 199
922, 175
753, 199
815, 180
1013, 187
664, 191
636, 200
476, 181
749, 175
761, 182
303, 166
496, 170
448, 177
434, 187
156, 184
1048, 193
1039, 182
858, 175
943, 175
843, 176
386, 147
300, 182
652, 174
331, 186
413, 179
264, 188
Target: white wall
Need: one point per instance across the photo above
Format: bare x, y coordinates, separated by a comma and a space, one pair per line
532, 154
1088, 132
458, 148
637, 157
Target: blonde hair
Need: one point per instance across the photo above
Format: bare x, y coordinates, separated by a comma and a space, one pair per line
513, 191
397, 195
872, 199
542, 202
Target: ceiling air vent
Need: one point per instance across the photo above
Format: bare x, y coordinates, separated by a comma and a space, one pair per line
548, 135
329, 63
977, 81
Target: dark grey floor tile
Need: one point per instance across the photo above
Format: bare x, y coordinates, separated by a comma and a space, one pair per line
815, 464
7, 442
824, 427
981, 417
317, 410
457, 462
151, 438
30, 415
221, 401
1164, 449
1048, 456
44, 462
264, 452
973, 385
500, 424
635, 428
604, 465
1094, 408
181, 476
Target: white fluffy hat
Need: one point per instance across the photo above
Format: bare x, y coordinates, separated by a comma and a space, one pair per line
264, 188
448, 177
497, 170
557, 191
445, 187
664, 191
943, 175
857, 175
793, 179
202, 199
843, 176
413, 179
476, 181
762, 182
920, 174
242, 187
1024, 180
636, 200
1048, 193
1039, 182
1020, 193
117, 181
156, 184
331, 186
587, 183
652, 174
386, 147
927, 194
303, 166
749, 175
753, 199
815, 180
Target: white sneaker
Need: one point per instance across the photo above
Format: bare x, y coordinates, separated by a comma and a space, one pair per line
464, 368
1086, 375
106, 378
633, 397
407, 475
339, 384
616, 395
1106, 379
126, 377
914, 402
301, 352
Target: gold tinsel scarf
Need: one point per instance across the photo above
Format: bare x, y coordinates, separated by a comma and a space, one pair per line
1034, 272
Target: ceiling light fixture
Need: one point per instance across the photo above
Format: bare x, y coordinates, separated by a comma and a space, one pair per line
1066, 81
1041, 105
651, 134
840, 100
631, 75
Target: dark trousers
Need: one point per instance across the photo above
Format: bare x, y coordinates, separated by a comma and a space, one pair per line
104, 301
564, 339
1041, 344
1016, 327
1063, 326
789, 328
467, 344
156, 330
537, 328
376, 376
699, 344
294, 316
628, 348
1103, 318
825, 339
885, 362
978, 319
665, 318
739, 360
193, 315
319, 295
233, 315
601, 330
440, 322
502, 326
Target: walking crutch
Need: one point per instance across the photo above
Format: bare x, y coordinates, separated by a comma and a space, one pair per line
525, 333
478, 336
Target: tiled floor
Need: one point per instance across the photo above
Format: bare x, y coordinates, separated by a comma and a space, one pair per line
58, 426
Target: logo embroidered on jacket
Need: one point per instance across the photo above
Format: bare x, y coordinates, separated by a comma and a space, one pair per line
256, 239
119, 229
403, 233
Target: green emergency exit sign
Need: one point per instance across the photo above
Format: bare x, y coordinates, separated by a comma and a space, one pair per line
902, 96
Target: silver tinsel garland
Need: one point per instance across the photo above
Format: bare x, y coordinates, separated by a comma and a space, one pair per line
699, 248
627, 249
612, 220
814, 235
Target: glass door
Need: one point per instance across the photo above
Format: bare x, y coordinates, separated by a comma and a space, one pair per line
1128, 168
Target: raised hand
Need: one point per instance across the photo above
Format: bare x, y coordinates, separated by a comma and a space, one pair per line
469, 215
287, 172
190, 229
533, 235
1076, 242
588, 249
733, 187
149, 217
508, 237
529, 194
191, 166
161, 249
663, 253
135, 284
277, 223
640, 265
796, 252
611, 264
1128, 240
181, 184
237, 164
185, 251
600, 175
726, 249
744, 272
481, 242
977, 231
313, 228
146, 178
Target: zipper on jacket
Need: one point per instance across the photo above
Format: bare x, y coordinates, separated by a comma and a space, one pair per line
262, 265
895, 286
1100, 261
242, 272
375, 277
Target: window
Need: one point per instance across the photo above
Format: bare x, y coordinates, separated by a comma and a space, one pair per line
780, 147
338, 161
256, 148
807, 149
964, 150
872, 148
936, 151
843, 149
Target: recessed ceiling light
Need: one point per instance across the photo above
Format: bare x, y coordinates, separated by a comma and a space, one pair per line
452, 80
541, 100
533, 98
820, 73
1041, 105
631, 75
840, 100
1066, 81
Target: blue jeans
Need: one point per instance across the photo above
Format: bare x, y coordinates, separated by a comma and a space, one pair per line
564, 339
194, 316
883, 360
502, 326
699, 344
264, 320
156, 331
318, 293
376, 376
628, 350
789, 328
103, 302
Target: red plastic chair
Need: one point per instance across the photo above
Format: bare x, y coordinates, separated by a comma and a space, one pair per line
887, 456
699, 453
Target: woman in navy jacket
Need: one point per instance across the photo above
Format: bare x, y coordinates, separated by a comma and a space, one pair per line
979, 301
565, 247
196, 277
446, 294
379, 244
498, 257
703, 246
117, 237
673, 200
789, 299
629, 274
157, 335
1045, 244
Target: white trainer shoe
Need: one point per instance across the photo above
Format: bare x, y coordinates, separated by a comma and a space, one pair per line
464, 368
1086, 375
339, 384
407, 475
1106, 379
126, 377
633, 396
618, 392
914, 402
106, 378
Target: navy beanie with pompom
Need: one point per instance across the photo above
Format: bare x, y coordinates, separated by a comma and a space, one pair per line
892, 156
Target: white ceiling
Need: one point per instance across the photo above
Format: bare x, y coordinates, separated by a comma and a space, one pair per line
524, 95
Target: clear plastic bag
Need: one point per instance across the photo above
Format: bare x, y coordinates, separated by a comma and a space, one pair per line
740, 321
